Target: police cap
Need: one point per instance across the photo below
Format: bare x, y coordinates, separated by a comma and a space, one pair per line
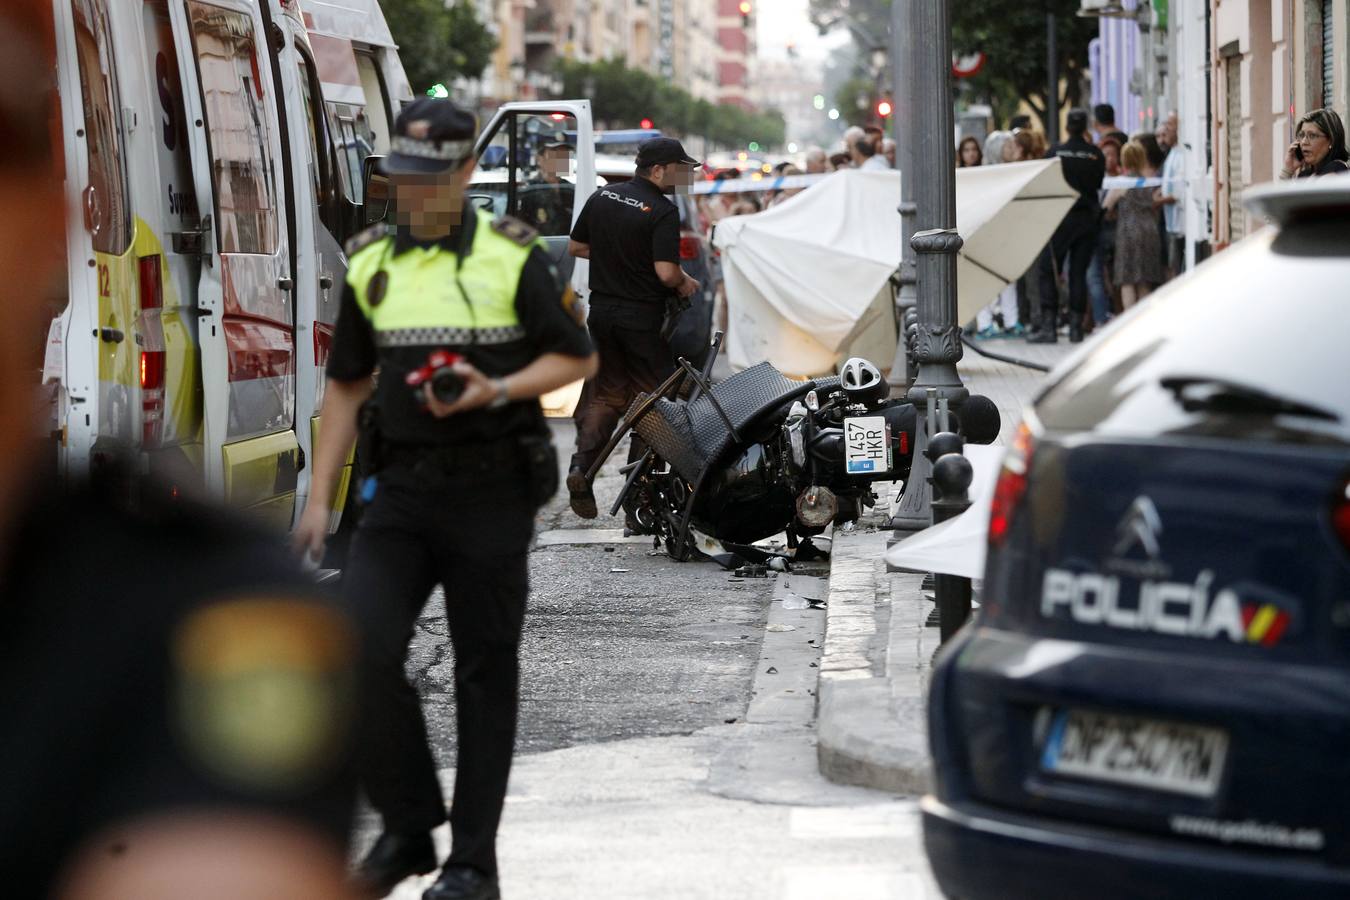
662, 151
431, 136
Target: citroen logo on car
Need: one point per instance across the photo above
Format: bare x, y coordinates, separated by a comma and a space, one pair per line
1141, 527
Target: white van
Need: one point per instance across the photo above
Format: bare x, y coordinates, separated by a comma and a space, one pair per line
215, 151
211, 170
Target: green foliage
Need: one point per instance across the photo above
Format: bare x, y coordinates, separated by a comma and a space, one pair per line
868, 20
438, 42
1011, 33
622, 97
1013, 37
854, 100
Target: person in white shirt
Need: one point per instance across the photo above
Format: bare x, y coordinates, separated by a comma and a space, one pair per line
1172, 193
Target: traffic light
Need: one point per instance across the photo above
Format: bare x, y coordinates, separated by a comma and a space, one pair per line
645, 123
884, 108
745, 13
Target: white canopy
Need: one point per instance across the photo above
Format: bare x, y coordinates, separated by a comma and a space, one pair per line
807, 280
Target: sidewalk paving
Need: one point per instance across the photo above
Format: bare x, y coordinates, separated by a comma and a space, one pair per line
872, 723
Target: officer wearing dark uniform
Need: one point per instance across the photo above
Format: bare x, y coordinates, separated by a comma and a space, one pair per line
631, 234
546, 201
175, 700
456, 487
1084, 167
159, 661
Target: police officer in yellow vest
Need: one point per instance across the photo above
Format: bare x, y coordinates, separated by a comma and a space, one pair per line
468, 323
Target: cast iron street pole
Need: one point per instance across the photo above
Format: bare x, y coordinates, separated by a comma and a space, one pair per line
1052, 81
903, 122
935, 240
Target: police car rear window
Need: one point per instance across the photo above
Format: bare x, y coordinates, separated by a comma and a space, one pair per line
1267, 314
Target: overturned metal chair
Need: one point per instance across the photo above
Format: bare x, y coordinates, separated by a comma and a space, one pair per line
694, 436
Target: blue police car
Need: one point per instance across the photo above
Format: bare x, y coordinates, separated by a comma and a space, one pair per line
1154, 699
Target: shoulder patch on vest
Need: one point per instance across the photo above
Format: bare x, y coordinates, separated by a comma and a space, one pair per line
364, 239
515, 231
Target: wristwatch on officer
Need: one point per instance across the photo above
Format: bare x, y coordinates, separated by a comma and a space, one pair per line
501, 398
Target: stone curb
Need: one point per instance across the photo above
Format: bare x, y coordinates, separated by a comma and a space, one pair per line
871, 723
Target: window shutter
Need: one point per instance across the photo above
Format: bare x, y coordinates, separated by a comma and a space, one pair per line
1328, 53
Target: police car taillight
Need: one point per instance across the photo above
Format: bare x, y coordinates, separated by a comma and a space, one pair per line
1012, 484
1340, 515
152, 361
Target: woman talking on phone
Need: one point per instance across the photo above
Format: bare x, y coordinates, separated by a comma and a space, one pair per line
1318, 148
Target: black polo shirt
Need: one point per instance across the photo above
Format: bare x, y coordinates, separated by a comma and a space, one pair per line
547, 311
1084, 167
630, 227
153, 677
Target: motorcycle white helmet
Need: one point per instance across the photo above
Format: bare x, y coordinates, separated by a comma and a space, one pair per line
863, 382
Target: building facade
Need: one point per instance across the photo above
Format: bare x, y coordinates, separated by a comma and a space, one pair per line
735, 52
1238, 74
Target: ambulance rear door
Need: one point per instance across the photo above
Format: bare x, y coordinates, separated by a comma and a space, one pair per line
89, 361
513, 179
244, 299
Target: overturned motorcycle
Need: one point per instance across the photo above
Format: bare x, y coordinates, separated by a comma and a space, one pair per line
760, 454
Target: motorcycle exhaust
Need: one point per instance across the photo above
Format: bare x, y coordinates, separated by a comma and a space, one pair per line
817, 506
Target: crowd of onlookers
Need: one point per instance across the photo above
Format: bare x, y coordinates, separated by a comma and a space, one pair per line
1119, 242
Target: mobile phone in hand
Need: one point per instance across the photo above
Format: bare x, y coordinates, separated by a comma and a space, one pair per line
1298, 153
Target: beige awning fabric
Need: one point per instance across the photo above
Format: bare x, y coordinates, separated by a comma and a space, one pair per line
807, 279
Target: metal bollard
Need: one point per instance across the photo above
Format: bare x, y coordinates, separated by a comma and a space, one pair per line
952, 476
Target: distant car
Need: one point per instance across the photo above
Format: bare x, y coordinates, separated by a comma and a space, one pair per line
1154, 698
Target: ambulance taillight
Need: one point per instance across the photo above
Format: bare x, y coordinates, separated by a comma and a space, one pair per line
152, 361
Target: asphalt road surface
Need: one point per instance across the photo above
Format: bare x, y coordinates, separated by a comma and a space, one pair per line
666, 745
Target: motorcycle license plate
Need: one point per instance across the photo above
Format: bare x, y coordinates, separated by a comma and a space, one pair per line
867, 445
1146, 753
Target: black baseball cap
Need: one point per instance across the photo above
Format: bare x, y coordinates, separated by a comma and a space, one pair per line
431, 136
662, 151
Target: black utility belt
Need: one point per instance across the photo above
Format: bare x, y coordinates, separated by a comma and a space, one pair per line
529, 456
501, 451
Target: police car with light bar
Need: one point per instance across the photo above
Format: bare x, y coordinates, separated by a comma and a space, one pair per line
1154, 698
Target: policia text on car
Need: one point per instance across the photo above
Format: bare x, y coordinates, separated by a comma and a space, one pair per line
631, 234
457, 482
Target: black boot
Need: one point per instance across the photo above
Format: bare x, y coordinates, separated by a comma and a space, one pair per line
463, 883
1046, 335
393, 858
1075, 333
580, 494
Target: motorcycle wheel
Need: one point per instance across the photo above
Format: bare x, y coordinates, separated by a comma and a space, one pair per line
676, 495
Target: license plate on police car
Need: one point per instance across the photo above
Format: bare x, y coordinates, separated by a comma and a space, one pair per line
1163, 756
867, 445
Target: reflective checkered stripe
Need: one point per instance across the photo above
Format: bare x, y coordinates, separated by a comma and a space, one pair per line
420, 337
430, 298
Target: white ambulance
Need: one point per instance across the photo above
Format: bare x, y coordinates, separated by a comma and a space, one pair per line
214, 151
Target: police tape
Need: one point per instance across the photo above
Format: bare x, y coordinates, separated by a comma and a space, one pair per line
1125, 182
756, 183
790, 182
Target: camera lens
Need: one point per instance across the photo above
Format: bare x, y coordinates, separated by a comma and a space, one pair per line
446, 385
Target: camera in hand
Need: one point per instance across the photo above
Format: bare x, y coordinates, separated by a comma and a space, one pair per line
446, 385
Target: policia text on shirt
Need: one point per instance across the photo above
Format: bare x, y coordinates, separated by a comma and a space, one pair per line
631, 234
458, 483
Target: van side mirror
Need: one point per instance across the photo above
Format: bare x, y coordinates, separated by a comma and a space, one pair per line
375, 190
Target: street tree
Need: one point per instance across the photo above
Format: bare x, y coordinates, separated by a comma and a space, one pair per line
622, 97
1011, 33
1013, 37
439, 41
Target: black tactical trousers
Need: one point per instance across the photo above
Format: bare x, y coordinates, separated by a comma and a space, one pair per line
633, 359
1075, 239
469, 532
